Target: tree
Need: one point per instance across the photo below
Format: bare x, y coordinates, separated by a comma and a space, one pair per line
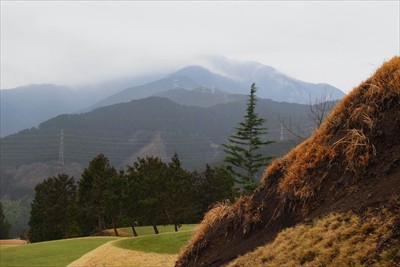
149, 174
93, 186
243, 150
131, 195
53, 210
114, 199
317, 112
178, 194
4, 225
214, 185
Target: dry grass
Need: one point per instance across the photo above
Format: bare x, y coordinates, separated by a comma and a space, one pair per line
344, 138
109, 255
224, 219
356, 148
217, 216
335, 240
12, 242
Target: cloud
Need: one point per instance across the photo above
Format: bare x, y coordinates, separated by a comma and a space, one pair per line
72, 42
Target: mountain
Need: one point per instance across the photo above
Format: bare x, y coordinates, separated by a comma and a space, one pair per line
146, 90
200, 97
237, 79
272, 83
27, 106
206, 78
334, 200
125, 131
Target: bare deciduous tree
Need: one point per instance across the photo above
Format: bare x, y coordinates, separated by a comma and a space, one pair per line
318, 110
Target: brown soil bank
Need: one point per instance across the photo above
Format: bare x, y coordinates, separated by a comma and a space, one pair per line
351, 163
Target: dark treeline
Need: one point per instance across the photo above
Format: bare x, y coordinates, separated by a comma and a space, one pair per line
148, 192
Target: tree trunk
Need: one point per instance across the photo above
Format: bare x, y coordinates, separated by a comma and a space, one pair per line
155, 228
133, 229
115, 227
102, 224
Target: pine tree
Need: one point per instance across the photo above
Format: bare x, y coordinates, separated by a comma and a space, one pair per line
243, 150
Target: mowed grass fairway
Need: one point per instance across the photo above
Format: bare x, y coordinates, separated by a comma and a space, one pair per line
52, 253
64, 252
148, 230
167, 243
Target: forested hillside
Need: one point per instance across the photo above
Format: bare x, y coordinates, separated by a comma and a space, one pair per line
155, 125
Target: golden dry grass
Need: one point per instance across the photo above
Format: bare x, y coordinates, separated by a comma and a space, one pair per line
344, 138
12, 242
335, 240
219, 214
224, 218
110, 255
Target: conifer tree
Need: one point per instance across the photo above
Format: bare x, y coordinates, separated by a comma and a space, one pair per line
53, 209
243, 149
93, 189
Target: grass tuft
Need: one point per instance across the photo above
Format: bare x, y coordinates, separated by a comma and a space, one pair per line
336, 240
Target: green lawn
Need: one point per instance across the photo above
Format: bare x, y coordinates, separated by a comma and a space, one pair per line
53, 253
166, 243
63, 252
148, 230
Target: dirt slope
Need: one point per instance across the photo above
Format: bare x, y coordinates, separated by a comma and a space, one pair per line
351, 163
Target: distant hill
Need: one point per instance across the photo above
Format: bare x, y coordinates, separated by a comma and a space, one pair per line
333, 200
200, 97
271, 83
27, 106
151, 126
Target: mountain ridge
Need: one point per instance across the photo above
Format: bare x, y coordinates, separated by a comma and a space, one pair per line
61, 100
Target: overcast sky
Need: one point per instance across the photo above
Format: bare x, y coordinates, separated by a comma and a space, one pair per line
75, 42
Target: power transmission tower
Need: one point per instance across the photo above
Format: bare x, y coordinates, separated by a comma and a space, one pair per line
61, 155
281, 136
176, 85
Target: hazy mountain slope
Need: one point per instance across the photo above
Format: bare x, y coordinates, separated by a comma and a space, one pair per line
206, 78
27, 106
273, 84
146, 90
350, 164
151, 126
200, 97
134, 124
237, 79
